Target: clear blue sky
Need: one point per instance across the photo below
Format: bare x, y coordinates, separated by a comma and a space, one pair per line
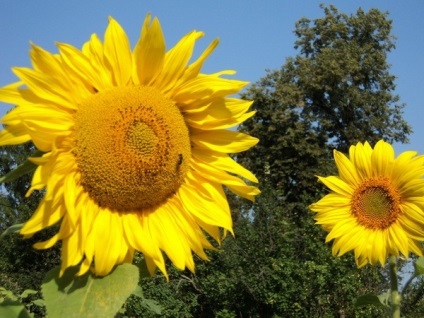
255, 35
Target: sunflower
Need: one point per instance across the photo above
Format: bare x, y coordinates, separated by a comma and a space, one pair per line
376, 204
135, 148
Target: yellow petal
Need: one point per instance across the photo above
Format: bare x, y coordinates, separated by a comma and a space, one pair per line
347, 170
361, 157
398, 238
97, 59
44, 87
235, 184
382, 158
149, 52
107, 230
48, 243
72, 252
118, 53
46, 215
209, 211
14, 135
168, 236
138, 237
47, 63
72, 192
11, 94
175, 62
193, 69
340, 229
206, 87
337, 185
217, 116
224, 141
224, 162
81, 65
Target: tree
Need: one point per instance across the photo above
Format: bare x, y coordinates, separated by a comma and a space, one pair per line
343, 73
337, 91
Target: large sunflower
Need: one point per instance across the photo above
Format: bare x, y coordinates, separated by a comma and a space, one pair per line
376, 204
135, 148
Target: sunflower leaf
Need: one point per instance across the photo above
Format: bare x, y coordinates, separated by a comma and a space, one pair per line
144, 271
419, 267
28, 292
88, 296
22, 169
149, 304
7, 294
138, 292
376, 300
11, 229
152, 305
39, 302
13, 308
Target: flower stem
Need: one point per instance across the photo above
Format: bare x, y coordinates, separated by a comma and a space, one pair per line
394, 295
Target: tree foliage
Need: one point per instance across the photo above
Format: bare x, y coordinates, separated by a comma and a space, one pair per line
343, 74
337, 91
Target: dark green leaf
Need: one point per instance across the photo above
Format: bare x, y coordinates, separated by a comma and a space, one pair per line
419, 266
24, 168
88, 296
12, 229
149, 304
39, 302
370, 299
13, 309
152, 305
28, 292
4, 293
144, 271
138, 292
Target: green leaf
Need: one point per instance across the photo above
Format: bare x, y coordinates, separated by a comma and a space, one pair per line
39, 302
11, 229
152, 305
28, 292
4, 293
24, 168
144, 271
419, 266
149, 304
138, 292
12, 308
370, 299
88, 296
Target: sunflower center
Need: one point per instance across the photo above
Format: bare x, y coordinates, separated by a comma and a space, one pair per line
133, 148
375, 204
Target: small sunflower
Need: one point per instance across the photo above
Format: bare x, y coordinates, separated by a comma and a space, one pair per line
376, 204
135, 148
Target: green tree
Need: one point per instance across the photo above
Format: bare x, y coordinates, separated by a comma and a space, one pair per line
343, 74
335, 92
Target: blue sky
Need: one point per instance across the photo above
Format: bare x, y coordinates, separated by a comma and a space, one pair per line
254, 35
